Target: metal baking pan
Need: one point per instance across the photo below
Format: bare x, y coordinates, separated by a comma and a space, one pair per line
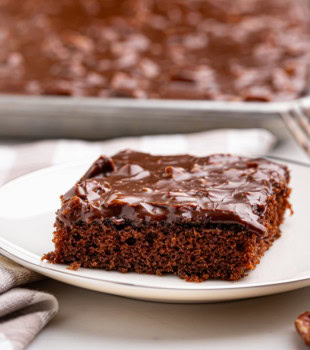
98, 118
101, 118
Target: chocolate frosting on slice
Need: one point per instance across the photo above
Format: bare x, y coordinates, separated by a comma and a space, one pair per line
136, 186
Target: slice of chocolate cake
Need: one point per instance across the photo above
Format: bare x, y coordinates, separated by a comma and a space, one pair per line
198, 218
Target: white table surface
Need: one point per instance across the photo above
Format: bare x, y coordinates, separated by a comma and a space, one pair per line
91, 320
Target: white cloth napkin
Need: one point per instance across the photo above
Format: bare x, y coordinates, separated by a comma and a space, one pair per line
24, 158
23, 312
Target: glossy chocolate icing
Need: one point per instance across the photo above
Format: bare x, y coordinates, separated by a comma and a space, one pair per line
177, 189
177, 49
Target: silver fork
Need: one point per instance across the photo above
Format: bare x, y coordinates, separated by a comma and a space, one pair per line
297, 120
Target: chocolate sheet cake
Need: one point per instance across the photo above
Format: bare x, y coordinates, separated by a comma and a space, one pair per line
198, 218
255, 50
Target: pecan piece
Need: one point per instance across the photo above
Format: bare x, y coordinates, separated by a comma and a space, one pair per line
302, 325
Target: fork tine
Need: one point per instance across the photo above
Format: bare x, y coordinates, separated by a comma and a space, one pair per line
306, 108
303, 119
300, 135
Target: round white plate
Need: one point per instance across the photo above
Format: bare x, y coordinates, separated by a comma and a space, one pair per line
27, 213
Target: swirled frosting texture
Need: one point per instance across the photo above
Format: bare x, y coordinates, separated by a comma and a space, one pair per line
169, 49
136, 186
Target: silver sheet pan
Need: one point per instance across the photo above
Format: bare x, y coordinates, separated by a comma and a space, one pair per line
96, 118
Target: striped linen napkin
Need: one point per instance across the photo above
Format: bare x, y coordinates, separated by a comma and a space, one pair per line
24, 312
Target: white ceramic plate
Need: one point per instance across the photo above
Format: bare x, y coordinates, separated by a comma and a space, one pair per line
28, 204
